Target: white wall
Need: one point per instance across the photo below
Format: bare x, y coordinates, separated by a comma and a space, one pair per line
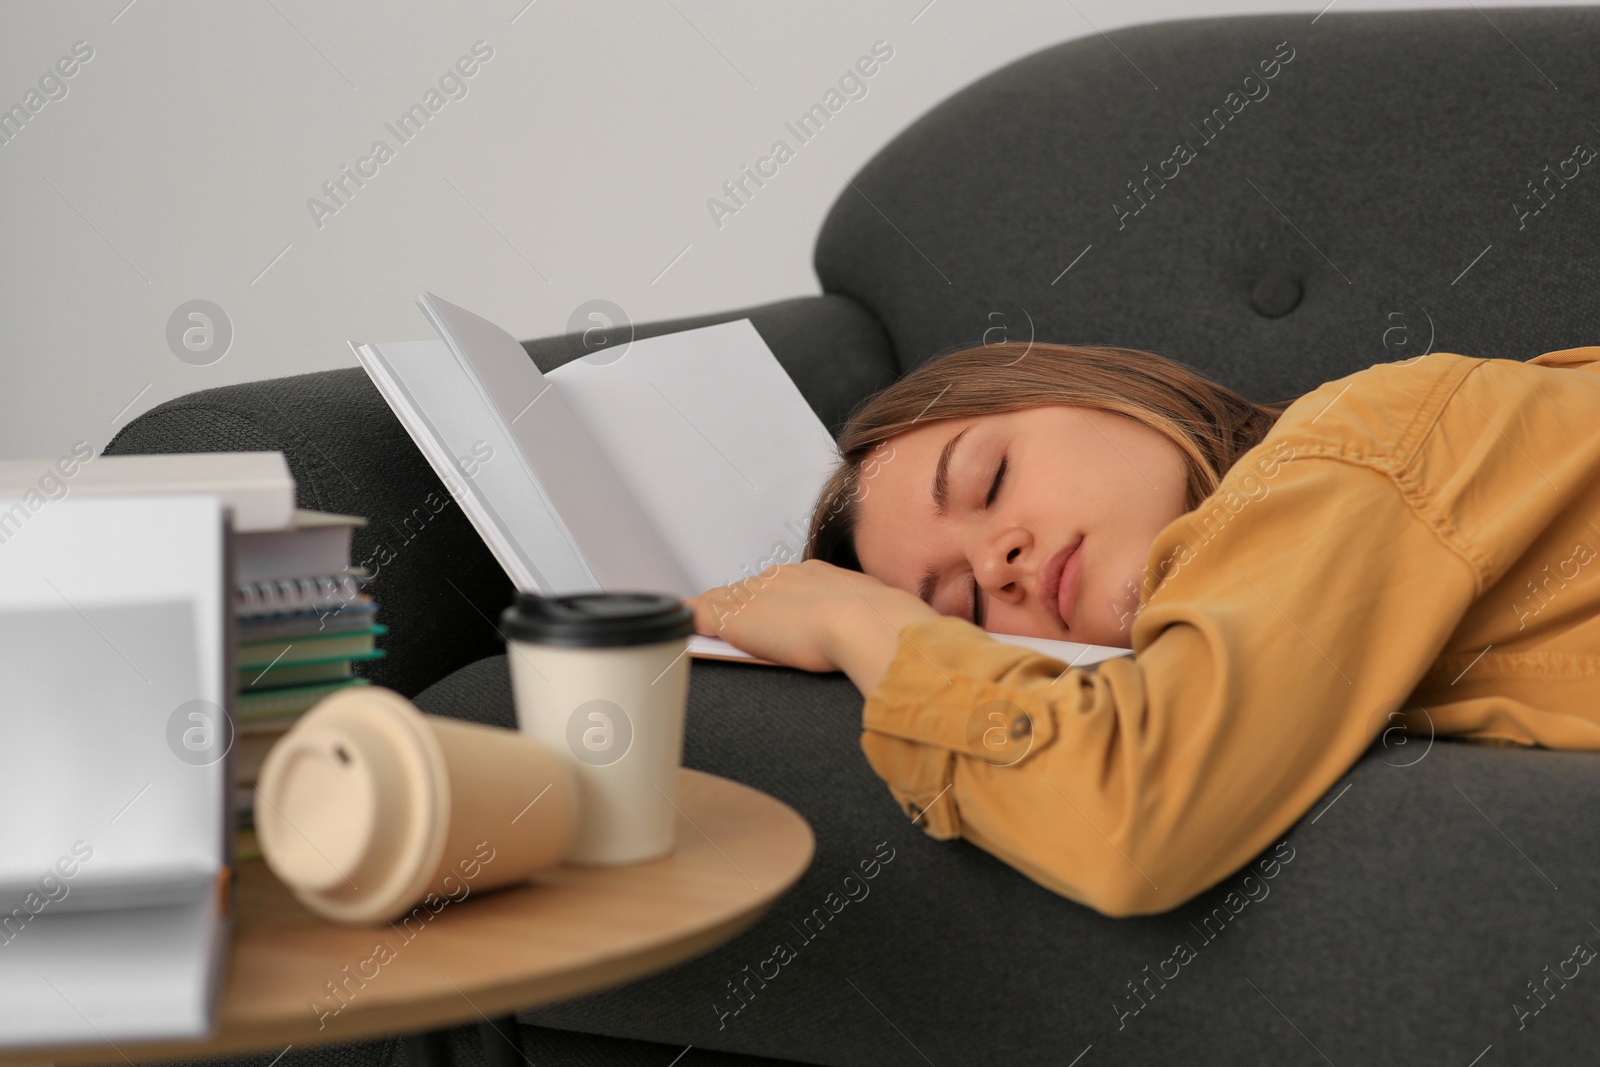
179, 163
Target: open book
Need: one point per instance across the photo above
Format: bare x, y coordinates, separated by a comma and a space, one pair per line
681, 463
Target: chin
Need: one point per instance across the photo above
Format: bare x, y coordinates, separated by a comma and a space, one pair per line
1121, 640
1104, 632
1119, 617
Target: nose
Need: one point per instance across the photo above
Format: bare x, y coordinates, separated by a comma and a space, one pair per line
998, 561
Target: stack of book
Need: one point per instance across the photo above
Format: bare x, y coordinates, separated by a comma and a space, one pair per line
132, 549
301, 622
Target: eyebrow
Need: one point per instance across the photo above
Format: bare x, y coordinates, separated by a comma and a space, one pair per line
941, 505
941, 475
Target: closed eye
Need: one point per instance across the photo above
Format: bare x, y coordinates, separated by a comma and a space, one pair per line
994, 488
994, 491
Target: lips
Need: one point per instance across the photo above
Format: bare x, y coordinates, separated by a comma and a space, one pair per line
1059, 580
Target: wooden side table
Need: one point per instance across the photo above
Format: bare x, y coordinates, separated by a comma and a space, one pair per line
295, 979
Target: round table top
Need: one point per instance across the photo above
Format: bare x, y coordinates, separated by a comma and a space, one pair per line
572, 930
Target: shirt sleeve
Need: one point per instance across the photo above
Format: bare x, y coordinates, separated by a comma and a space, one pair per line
1296, 611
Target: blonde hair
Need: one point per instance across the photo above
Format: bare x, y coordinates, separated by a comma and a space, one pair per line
1209, 423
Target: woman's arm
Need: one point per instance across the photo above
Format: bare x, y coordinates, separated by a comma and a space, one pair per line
814, 616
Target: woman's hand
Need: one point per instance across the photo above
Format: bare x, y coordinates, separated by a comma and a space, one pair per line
813, 616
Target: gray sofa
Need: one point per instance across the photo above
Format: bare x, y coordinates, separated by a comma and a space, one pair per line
1402, 181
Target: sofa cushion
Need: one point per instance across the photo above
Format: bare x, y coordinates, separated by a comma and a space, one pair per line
1374, 168
1399, 922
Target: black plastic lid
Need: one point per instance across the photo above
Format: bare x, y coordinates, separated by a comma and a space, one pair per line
597, 620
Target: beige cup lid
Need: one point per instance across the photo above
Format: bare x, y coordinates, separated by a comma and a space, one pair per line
353, 805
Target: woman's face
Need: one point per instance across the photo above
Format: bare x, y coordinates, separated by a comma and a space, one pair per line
989, 509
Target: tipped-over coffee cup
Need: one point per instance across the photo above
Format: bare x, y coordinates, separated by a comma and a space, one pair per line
368, 807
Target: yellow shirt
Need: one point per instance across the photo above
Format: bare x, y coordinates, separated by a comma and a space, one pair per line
1413, 545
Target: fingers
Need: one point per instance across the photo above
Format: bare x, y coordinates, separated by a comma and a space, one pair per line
778, 586
702, 611
705, 618
712, 609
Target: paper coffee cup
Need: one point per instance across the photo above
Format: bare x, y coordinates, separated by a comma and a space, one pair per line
602, 678
368, 808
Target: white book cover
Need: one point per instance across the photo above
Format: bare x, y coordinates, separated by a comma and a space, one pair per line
114, 812
256, 485
314, 542
688, 462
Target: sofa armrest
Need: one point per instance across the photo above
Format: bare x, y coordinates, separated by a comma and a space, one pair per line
435, 582
438, 587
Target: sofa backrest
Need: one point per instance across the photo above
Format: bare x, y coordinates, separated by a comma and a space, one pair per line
1276, 200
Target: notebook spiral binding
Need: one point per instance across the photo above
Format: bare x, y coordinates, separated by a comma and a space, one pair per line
280, 596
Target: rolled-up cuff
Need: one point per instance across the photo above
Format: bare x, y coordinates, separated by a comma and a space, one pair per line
940, 700
920, 779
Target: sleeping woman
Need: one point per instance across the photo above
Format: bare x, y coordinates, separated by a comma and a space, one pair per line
1413, 546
